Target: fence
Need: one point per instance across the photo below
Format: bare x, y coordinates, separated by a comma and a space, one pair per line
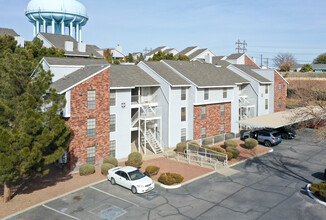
209, 141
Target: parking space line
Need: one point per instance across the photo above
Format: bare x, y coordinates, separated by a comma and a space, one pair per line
70, 216
113, 196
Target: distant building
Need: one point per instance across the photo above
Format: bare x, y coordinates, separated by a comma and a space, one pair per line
11, 32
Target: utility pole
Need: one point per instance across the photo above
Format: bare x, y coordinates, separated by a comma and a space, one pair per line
244, 49
261, 60
267, 62
239, 45
147, 50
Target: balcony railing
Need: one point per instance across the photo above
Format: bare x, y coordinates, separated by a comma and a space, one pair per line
139, 99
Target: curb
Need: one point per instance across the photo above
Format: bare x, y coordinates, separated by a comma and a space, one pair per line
52, 199
170, 187
314, 197
242, 161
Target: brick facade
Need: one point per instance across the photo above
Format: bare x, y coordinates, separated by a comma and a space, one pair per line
77, 122
213, 119
248, 61
277, 95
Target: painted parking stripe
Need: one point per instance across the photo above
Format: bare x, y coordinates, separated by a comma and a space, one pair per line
113, 196
70, 216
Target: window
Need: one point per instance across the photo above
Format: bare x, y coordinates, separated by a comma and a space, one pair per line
225, 93
266, 104
113, 95
280, 103
112, 123
206, 94
222, 107
112, 148
222, 128
203, 113
183, 134
90, 155
91, 127
203, 132
280, 88
91, 99
266, 89
183, 93
183, 114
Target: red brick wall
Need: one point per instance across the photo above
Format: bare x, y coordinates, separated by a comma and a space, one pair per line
77, 153
248, 61
277, 80
213, 119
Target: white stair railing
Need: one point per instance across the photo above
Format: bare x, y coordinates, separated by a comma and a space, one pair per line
134, 119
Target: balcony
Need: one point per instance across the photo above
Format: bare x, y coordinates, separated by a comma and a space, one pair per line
141, 100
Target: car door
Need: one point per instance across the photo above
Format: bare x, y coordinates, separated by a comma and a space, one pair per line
261, 136
118, 177
125, 181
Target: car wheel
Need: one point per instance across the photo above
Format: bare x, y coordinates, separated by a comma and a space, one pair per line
113, 181
268, 144
133, 190
286, 136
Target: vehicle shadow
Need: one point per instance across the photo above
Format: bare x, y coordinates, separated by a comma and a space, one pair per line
38, 182
319, 175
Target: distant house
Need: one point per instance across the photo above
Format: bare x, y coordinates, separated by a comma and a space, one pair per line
195, 53
319, 68
11, 32
116, 53
164, 49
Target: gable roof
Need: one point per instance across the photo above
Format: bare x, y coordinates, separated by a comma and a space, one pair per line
8, 31
234, 56
168, 50
206, 75
249, 70
167, 73
187, 50
130, 76
218, 62
74, 61
58, 41
155, 51
218, 57
77, 77
196, 53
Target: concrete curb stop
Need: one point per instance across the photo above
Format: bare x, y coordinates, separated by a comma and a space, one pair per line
170, 187
314, 197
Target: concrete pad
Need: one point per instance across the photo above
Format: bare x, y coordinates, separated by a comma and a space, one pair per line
226, 171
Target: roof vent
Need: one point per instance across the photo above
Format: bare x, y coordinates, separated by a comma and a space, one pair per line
208, 58
69, 46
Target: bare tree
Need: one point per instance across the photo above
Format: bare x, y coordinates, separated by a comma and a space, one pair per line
285, 61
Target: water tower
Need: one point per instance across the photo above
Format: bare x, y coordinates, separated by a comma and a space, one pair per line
54, 16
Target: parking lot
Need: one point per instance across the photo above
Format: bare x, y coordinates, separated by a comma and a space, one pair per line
267, 187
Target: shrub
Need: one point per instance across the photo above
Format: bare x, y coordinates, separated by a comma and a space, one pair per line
217, 149
230, 143
105, 168
319, 190
133, 163
250, 143
135, 156
234, 151
218, 138
181, 147
86, 169
229, 136
170, 178
111, 160
208, 141
151, 170
230, 155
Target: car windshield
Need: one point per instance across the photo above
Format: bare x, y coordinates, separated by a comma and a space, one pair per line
136, 175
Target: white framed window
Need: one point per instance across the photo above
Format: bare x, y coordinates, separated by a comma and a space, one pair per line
91, 99
183, 134
222, 110
279, 88
222, 126
206, 94
113, 119
203, 113
225, 93
91, 127
203, 132
279, 103
183, 114
266, 89
113, 97
90, 158
113, 144
183, 93
266, 104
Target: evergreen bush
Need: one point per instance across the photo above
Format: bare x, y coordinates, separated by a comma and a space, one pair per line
230, 143
86, 169
250, 143
111, 160
151, 170
105, 168
234, 151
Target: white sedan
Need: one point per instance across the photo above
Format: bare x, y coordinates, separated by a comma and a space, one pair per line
131, 178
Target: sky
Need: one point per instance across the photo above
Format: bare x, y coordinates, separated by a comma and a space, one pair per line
268, 27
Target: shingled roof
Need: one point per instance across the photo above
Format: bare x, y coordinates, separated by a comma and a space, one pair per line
74, 61
206, 75
8, 31
234, 56
249, 69
130, 76
155, 51
187, 50
167, 73
58, 41
196, 53
74, 78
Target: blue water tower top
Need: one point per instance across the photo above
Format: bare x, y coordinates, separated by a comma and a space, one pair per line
66, 6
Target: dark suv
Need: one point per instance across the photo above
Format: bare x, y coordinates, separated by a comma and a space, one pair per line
287, 132
267, 137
